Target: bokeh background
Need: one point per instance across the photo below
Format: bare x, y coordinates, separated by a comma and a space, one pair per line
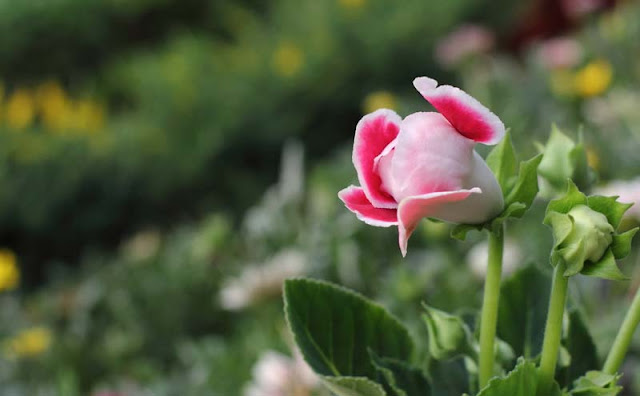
165, 164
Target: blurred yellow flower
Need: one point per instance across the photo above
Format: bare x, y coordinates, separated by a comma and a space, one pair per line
20, 109
28, 343
594, 78
561, 82
593, 159
54, 105
379, 100
352, 4
1, 98
287, 60
9, 272
87, 116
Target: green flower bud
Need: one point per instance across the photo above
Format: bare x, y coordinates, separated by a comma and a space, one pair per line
563, 159
449, 336
584, 229
592, 229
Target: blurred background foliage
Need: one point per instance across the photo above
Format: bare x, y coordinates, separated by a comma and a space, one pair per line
166, 164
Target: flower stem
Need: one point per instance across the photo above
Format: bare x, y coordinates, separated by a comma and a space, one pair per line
623, 339
490, 302
553, 330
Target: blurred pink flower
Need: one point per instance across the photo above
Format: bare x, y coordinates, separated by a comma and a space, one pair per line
560, 53
628, 191
580, 8
425, 165
467, 40
276, 374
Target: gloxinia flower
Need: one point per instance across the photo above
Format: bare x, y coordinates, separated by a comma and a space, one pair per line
425, 165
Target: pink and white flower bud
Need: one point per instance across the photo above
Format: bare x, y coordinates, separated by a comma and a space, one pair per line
425, 165
462, 43
560, 53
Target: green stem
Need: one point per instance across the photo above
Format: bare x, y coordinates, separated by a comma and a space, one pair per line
490, 302
623, 339
553, 330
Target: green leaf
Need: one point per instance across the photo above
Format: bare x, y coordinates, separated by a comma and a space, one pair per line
460, 230
597, 383
621, 245
334, 329
510, 211
526, 186
572, 197
606, 268
400, 378
522, 311
522, 381
449, 378
581, 348
502, 161
609, 207
353, 386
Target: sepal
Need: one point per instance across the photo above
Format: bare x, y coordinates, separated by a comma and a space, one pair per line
519, 188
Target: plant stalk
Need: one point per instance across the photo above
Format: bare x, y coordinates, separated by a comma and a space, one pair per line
553, 330
489, 318
623, 338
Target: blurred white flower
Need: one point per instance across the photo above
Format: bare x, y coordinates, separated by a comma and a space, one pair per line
559, 53
466, 41
275, 374
142, 245
477, 258
267, 217
291, 182
628, 191
262, 281
618, 106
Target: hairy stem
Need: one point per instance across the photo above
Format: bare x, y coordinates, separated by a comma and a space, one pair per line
553, 330
623, 339
490, 302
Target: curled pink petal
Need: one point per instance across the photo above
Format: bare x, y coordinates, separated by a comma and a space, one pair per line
412, 209
374, 133
468, 116
355, 200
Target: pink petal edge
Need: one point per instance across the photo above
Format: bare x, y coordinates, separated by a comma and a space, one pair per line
412, 209
374, 133
468, 116
355, 200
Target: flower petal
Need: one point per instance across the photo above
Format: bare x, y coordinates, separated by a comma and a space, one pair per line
355, 200
412, 209
470, 117
430, 156
374, 133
